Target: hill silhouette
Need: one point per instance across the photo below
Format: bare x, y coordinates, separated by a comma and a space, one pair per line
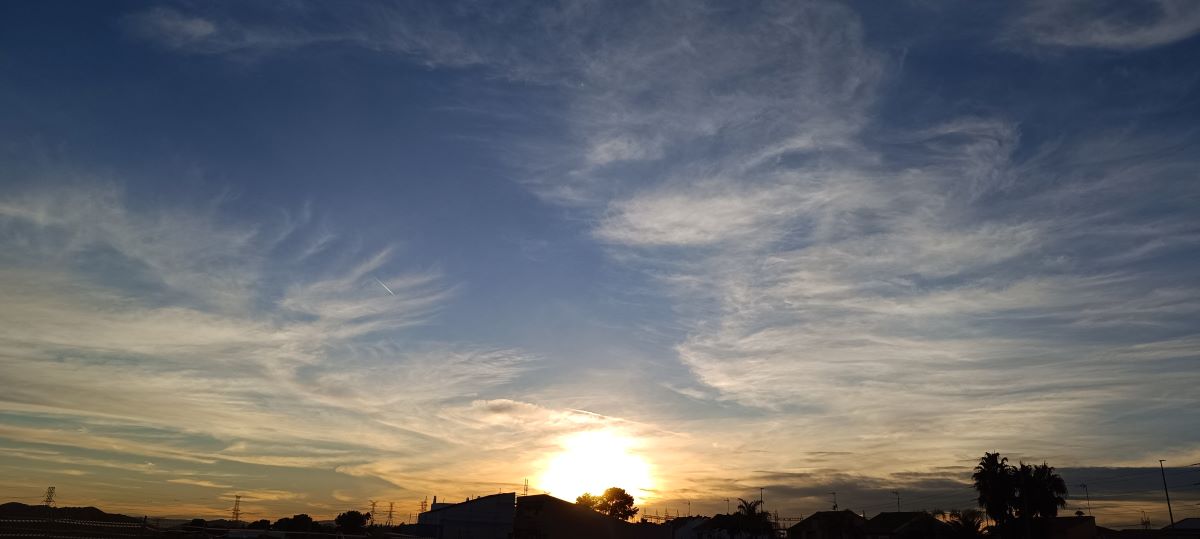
17, 510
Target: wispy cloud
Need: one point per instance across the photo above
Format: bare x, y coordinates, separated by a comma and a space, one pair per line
827, 268
844, 295
114, 335
197, 482
1131, 25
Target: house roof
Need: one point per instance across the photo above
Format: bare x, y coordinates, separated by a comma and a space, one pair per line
510, 495
892, 521
1192, 523
839, 518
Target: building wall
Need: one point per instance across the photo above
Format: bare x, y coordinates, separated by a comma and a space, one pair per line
490, 517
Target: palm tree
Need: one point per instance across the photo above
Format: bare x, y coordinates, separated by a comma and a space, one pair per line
967, 524
1040, 493
752, 520
997, 490
1048, 492
749, 508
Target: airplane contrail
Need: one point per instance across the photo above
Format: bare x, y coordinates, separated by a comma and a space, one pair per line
385, 287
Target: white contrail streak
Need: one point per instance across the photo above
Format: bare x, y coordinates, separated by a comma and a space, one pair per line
385, 287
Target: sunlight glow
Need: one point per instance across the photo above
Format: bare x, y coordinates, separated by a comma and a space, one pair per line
593, 461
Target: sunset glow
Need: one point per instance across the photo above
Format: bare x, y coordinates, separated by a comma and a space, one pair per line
311, 257
593, 461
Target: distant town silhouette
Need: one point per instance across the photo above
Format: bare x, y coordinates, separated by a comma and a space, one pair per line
1014, 501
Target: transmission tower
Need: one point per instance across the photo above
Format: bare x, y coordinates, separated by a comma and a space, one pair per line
526, 492
391, 507
425, 504
48, 501
237, 509
371, 515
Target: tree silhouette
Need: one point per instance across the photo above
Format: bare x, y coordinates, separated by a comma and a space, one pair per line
748, 508
587, 500
751, 518
352, 521
295, 523
1040, 493
966, 524
1043, 492
198, 523
263, 524
615, 502
1013, 495
994, 483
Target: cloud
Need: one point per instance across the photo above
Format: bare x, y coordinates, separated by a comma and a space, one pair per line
825, 269
1130, 25
197, 483
833, 282
171, 335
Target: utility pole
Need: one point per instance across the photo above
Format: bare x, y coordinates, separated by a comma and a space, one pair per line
760, 491
689, 502
897, 493
1163, 471
726, 506
1088, 497
834, 500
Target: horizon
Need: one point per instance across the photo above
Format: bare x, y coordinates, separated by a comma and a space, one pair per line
315, 253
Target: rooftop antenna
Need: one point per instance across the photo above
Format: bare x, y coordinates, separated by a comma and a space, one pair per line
897, 493
237, 509
834, 500
391, 507
526, 491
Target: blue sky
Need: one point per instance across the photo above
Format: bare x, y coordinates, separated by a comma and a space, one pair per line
317, 253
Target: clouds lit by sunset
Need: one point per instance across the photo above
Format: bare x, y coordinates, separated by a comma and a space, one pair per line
319, 253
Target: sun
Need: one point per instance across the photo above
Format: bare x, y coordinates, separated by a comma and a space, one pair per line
593, 461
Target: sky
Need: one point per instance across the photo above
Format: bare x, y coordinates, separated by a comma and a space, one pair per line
320, 253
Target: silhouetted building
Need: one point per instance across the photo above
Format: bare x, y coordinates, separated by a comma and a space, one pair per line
487, 517
729, 527
1065, 527
685, 527
543, 516
1186, 524
907, 525
844, 524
